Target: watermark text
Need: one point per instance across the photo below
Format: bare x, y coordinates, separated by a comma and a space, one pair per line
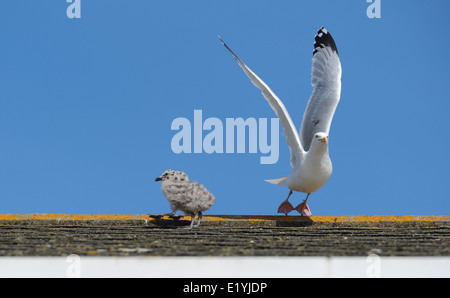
236, 131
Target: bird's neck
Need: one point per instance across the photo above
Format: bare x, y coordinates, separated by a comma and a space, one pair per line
318, 150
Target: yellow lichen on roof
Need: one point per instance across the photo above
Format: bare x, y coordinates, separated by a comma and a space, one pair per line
216, 218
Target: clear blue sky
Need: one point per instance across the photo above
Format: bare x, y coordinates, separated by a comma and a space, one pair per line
86, 105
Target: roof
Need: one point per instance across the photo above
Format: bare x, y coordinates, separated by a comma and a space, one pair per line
223, 235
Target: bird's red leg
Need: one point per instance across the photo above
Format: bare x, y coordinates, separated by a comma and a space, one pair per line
303, 208
286, 207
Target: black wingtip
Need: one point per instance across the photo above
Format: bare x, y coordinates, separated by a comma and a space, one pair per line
226, 46
324, 39
220, 38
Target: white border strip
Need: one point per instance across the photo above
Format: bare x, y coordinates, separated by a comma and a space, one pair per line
224, 267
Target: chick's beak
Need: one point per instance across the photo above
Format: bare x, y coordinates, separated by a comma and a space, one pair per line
324, 139
158, 179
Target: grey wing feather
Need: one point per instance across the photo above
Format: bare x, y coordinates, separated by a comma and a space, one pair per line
326, 80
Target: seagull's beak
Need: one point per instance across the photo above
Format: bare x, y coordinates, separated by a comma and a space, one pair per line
324, 139
158, 179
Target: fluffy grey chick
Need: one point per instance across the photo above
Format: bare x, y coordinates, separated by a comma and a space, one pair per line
188, 196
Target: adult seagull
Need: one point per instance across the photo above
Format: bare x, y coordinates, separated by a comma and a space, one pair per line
310, 161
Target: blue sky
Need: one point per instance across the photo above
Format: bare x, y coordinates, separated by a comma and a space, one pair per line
86, 105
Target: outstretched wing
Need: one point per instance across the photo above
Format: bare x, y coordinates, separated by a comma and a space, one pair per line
326, 80
278, 107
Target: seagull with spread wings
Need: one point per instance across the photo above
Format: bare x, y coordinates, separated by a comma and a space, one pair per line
310, 160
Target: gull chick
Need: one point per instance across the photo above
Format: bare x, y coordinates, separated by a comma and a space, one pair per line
311, 164
188, 196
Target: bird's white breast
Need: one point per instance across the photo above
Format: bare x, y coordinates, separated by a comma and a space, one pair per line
311, 174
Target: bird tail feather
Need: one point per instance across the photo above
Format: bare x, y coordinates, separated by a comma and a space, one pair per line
278, 181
